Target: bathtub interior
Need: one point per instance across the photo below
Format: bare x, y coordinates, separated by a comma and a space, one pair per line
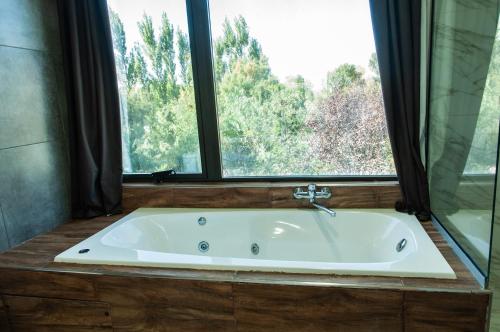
301, 235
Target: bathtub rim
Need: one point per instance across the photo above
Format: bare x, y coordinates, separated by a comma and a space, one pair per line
61, 257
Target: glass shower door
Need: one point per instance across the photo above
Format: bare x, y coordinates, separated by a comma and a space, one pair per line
464, 117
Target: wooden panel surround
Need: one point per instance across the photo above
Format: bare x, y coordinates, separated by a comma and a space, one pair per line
41, 295
443, 311
4, 321
256, 195
288, 308
39, 314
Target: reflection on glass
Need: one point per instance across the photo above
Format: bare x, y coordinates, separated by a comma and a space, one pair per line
153, 62
464, 121
298, 88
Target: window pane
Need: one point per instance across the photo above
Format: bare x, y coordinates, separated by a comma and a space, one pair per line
153, 61
298, 88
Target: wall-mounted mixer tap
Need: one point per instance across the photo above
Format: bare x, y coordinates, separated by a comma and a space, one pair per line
312, 194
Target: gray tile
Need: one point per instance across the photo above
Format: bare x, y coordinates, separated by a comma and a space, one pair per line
29, 111
4, 240
61, 97
35, 193
30, 24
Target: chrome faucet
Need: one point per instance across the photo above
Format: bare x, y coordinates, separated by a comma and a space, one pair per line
311, 194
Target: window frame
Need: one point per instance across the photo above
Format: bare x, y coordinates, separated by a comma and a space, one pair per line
199, 29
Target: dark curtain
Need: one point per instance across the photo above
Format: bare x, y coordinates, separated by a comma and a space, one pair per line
93, 106
396, 26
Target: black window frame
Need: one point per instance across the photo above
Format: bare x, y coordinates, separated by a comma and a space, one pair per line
198, 15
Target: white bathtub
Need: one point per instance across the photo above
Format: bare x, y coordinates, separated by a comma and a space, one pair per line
355, 242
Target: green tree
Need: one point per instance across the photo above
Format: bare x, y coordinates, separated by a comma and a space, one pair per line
119, 41
260, 118
186, 73
166, 53
235, 45
160, 110
149, 45
137, 69
342, 77
373, 65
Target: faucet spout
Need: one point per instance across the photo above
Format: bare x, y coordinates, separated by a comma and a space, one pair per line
325, 209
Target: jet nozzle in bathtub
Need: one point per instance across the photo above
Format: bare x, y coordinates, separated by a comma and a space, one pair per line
401, 245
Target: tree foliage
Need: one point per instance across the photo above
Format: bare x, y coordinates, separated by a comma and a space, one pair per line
353, 137
344, 76
267, 127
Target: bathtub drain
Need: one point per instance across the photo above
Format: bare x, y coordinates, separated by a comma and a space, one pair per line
401, 245
203, 246
254, 248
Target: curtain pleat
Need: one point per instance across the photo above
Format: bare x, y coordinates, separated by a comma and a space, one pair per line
93, 106
396, 27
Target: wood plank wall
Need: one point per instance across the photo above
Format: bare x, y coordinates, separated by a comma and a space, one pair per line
268, 195
4, 321
78, 302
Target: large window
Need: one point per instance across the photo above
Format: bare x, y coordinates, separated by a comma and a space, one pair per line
155, 80
250, 88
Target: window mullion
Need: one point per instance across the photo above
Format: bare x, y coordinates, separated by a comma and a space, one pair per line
201, 52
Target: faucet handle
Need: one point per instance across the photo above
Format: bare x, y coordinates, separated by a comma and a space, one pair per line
324, 192
299, 193
312, 192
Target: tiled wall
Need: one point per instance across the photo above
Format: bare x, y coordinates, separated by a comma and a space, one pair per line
34, 163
